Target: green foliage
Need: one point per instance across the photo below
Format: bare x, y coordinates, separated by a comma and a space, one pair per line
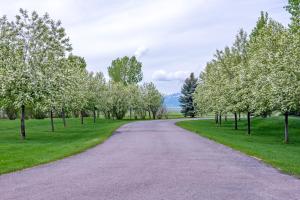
32, 49
119, 99
137, 101
33, 45
293, 8
39, 74
260, 24
126, 70
186, 99
11, 112
153, 98
259, 74
77, 61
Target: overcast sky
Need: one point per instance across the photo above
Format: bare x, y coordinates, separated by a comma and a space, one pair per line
170, 37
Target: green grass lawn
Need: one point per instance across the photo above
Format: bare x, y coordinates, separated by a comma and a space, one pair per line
174, 115
43, 146
266, 141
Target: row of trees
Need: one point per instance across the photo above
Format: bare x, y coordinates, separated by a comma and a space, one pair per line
258, 74
140, 101
39, 74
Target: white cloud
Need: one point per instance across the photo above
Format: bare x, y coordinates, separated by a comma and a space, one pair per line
141, 51
162, 75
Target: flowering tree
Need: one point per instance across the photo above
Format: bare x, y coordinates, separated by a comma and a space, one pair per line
153, 98
39, 74
95, 85
35, 44
259, 74
286, 79
54, 66
135, 100
119, 96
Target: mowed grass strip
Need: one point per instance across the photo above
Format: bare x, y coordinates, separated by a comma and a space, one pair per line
265, 142
175, 115
42, 145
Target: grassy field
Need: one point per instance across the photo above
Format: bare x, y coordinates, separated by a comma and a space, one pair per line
266, 141
43, 146
174, 115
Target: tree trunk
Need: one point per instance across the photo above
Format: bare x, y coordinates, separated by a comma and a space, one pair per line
217, 118
220, 119
94, 113
81, 116
149, 114
286, 127
63, 115
52, 122
239, 116
235, 121
249, 123
23, 134
130, 112
153, 115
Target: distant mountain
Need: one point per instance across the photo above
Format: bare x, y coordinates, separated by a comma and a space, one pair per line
172, 101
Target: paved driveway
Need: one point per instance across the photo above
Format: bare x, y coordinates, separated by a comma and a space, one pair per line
153, 160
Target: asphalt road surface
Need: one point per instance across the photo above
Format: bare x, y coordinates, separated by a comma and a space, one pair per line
152, 160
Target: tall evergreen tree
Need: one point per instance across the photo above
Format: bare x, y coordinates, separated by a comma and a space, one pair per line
186, 99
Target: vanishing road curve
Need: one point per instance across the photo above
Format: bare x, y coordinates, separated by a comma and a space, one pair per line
152, 160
